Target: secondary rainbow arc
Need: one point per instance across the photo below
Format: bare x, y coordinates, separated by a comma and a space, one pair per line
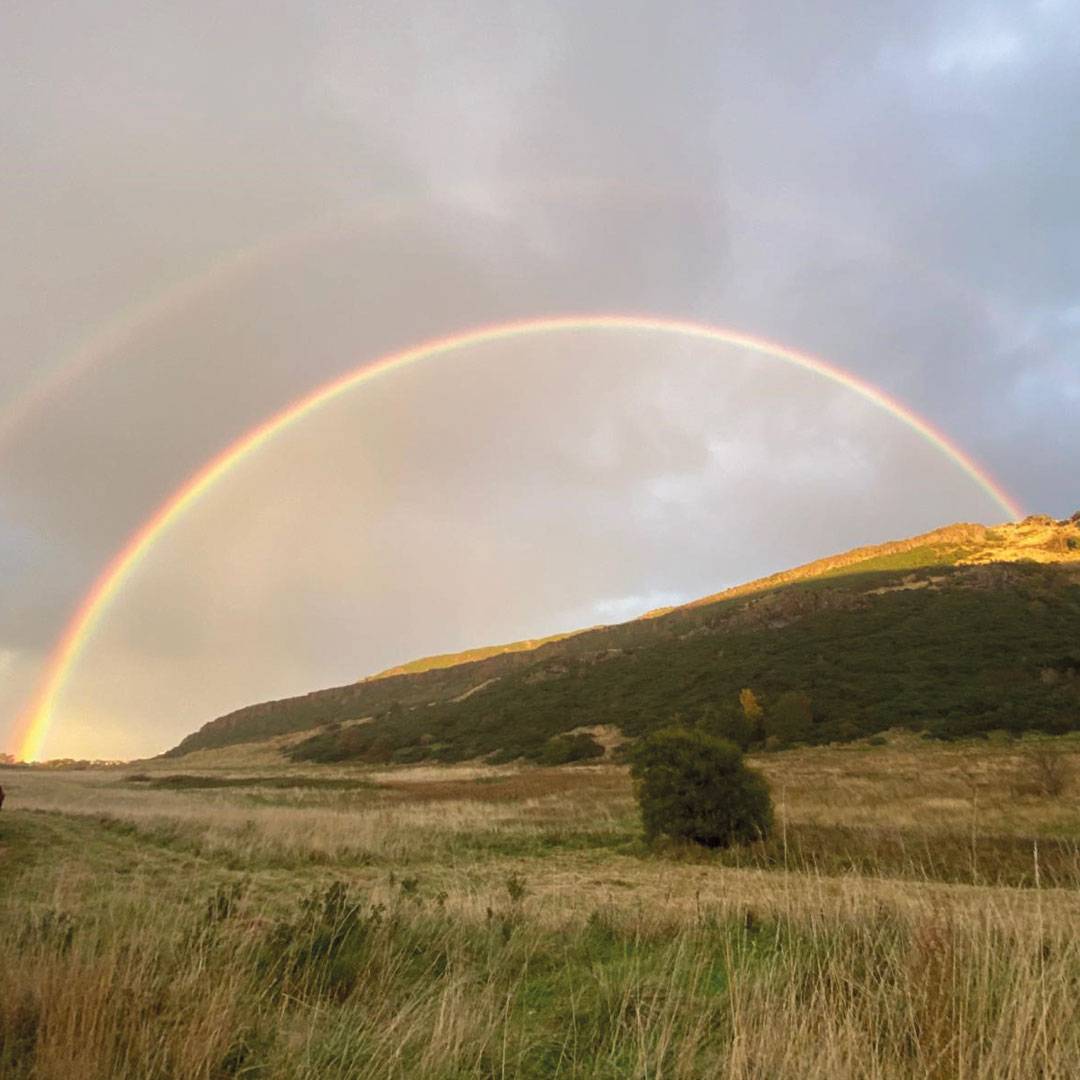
36, 722
124, 327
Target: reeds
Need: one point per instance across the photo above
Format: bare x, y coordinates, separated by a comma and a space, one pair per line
346, 987
367, 933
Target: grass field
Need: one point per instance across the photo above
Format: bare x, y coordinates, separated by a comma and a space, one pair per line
913, 916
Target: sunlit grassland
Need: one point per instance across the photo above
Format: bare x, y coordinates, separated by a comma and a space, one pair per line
913, 916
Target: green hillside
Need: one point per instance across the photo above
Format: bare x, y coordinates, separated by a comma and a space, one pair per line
963, 630
993, 648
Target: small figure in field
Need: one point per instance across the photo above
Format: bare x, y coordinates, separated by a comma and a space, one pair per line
1, 798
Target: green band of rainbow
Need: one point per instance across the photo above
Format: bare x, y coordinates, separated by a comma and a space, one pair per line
34, 727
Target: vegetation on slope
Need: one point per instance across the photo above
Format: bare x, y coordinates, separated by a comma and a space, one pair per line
978, 649
846, 631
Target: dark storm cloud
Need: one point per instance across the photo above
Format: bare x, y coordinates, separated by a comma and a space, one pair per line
896, 194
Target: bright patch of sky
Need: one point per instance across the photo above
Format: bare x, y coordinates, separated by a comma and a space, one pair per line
976, 53
621, 608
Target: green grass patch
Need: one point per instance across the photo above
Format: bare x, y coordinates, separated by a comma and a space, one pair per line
21, 846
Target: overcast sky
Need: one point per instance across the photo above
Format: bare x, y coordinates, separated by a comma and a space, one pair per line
208, 210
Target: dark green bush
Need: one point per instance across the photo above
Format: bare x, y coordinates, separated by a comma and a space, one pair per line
564, 749
693, 786
726, 720
791, 719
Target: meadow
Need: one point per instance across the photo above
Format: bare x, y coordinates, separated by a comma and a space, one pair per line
913, 915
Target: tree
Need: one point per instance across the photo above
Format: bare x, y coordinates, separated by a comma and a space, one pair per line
751, 707
754, 712
791, 719
693, 786
574, 746
1043, 771
727, 721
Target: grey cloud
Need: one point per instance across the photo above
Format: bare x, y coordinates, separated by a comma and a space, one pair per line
894, 194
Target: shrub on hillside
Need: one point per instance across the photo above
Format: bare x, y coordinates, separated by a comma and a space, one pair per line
693, 786
564, 749
791, 719
726, 720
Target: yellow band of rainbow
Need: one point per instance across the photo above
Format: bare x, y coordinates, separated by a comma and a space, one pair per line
34, 726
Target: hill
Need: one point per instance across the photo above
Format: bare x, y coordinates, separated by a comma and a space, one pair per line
962, 630
446, 660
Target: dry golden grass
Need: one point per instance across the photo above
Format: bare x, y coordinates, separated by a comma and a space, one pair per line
508, 923
529, 784
908, 783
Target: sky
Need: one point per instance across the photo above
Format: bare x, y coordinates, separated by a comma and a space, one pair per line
209, 210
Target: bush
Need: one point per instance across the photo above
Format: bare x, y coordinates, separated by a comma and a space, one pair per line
727, 721
693, 786
564, 749
1044, 772
791, 719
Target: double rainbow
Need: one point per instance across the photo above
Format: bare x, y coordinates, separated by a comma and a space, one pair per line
36, 722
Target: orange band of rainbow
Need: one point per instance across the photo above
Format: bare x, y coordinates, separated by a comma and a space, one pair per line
35, 724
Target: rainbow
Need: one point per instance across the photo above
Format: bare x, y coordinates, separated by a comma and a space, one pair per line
34, 725
124, 328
